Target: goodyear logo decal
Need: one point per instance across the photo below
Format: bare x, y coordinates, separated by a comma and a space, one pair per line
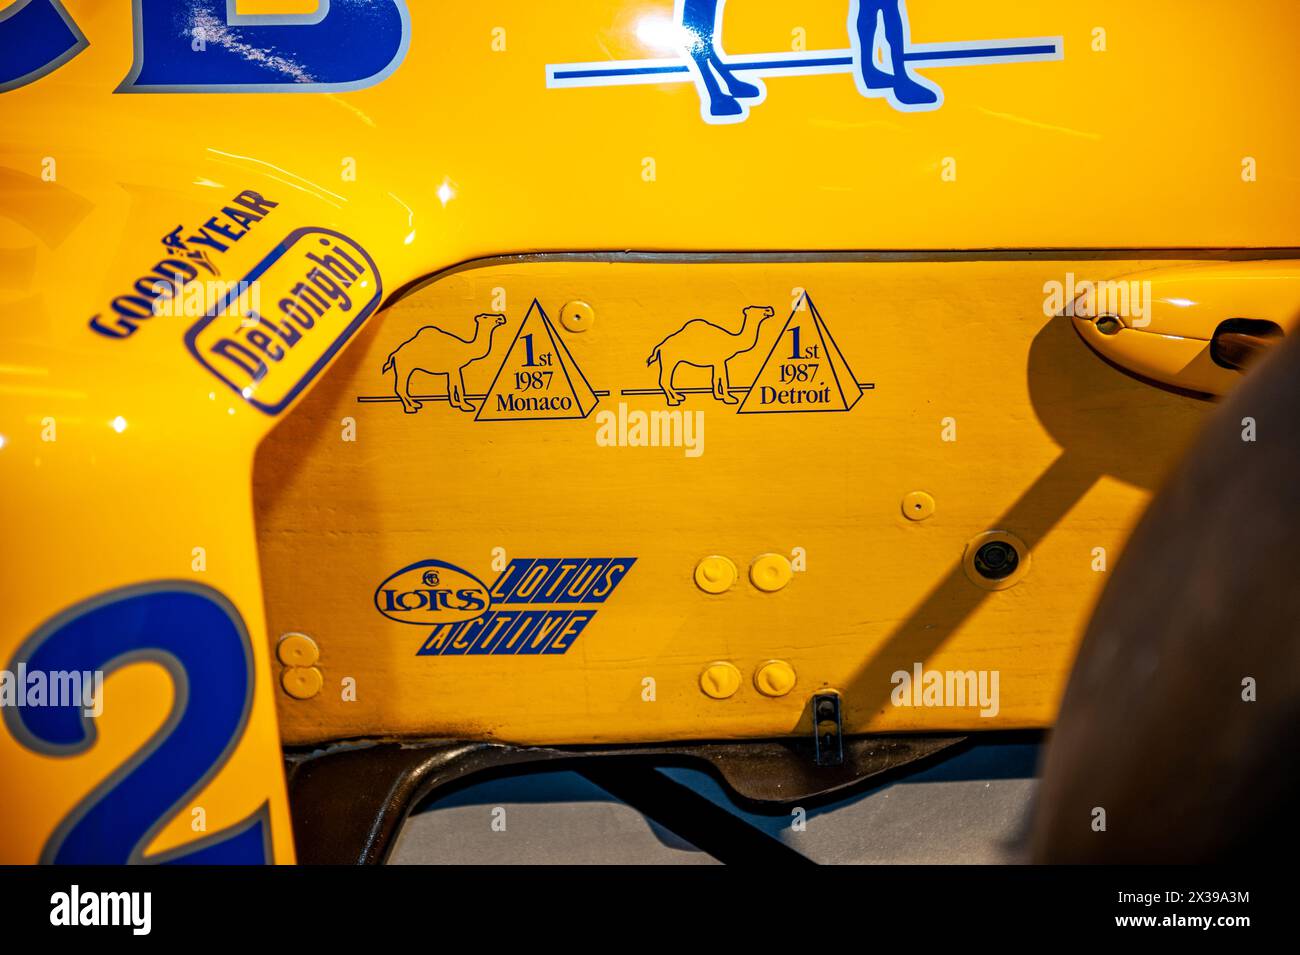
535, 606
319, 287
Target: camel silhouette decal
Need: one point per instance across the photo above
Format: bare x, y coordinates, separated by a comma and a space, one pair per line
436, 351
706, 345
881, 58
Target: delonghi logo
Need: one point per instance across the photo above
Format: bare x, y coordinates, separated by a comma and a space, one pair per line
535, 606
323, 284
432, 592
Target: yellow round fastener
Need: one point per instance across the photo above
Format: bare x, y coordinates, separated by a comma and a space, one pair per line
774, 678
302, 683
297, 650
917, 505
577, 316
720, 680
715, 574
770, 572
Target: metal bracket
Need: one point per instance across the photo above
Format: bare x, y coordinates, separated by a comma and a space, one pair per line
828, 730
349, 798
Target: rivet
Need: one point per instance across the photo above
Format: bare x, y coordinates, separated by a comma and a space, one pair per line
774, 678
715, 574
917, 505
720, 680
297, 650
577, 316
770, 572
302, 683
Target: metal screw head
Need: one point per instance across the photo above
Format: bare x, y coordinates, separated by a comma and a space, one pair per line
996, 560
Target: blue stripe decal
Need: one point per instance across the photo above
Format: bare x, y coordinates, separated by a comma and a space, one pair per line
793, 63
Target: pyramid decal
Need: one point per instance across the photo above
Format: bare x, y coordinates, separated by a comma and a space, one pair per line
805, 370
538, 380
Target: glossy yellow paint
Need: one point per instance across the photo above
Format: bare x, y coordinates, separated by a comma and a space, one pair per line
1167, 338
462, 153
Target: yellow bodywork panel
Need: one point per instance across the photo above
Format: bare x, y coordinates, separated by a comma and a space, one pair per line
848, 386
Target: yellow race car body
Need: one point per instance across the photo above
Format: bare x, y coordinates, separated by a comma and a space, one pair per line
520, 373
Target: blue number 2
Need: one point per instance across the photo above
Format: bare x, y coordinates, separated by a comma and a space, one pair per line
199, 638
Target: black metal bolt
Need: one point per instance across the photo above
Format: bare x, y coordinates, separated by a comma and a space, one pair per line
996, 560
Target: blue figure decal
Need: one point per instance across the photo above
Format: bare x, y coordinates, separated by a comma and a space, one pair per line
206, 46
36, 38
869, 22
881, 58
701, 22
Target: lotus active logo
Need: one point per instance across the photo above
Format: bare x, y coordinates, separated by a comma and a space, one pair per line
535, 606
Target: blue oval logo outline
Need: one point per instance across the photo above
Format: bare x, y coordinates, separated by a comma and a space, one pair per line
443, 614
